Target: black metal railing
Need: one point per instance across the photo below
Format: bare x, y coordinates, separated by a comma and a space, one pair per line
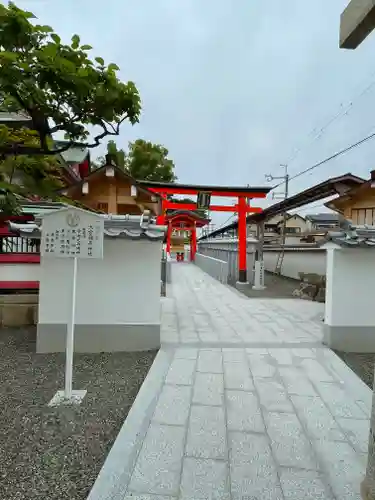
15, 244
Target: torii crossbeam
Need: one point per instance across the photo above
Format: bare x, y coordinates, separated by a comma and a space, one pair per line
204, 194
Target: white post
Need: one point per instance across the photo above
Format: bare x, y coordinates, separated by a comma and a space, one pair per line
70, 337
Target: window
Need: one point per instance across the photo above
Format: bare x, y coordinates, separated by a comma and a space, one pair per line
362, 216
292, 230
103, 207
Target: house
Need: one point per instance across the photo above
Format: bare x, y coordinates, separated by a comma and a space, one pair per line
110, 190
295, 226
323, 221
358, 204
77, 157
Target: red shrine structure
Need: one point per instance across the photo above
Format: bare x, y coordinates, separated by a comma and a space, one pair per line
185, 220
204, 194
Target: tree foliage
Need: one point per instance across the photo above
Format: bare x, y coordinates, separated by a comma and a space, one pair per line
150, 162
143, 161
26, 177
58, 86
199, 211
118, 153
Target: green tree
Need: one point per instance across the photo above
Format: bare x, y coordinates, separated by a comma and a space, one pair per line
150, 162
202, 213
118, 153
27, 176
58, 87
143, 161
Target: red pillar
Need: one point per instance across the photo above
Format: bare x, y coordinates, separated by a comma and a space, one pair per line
242, 240
169, 234
193, 244
160, 219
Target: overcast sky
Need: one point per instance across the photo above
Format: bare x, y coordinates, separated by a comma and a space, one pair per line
233, 87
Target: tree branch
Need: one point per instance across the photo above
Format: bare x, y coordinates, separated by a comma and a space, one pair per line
33, 151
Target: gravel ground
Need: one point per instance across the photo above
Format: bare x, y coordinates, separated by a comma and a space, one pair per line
361, 363
56, 453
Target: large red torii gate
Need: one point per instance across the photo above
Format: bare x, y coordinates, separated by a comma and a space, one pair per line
242, 207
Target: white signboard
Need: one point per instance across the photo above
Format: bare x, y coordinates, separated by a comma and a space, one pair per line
72, 233
77, 234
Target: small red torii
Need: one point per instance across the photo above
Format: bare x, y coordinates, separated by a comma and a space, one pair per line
186, 220
242, 208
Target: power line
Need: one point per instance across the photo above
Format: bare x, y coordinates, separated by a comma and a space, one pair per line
226, 222
326, 160
341, 112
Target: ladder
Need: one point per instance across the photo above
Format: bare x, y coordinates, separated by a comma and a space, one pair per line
280, 259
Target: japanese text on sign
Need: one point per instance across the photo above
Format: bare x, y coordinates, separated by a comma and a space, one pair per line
72, 235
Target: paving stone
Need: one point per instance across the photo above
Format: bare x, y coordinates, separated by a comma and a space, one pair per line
256, 350
208, 389
207, 433
181, 372
245, 487
303, 352
158, 467
282, 356
243, 412
357, 432
147, 497
237, 376
173, 405
190, 340
204, 479
300, 484
260, 366
343, 466
338, 402
317, 419
206, 311
234, 356
289, 444
251, 453
296, 382
315, 371
186, 353
210, 361
272, 395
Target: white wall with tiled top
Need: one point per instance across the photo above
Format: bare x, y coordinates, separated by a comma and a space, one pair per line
123, 288
350, 287
350, 312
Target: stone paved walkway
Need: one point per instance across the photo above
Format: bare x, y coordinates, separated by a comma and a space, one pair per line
243, 402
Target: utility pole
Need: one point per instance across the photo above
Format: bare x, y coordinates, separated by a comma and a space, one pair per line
281, 195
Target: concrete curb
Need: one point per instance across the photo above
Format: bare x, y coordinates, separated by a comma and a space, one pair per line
112, 481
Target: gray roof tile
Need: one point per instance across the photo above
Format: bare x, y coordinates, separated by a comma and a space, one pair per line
132, 227
350, 236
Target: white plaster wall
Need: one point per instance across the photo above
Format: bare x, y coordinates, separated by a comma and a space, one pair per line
123, 288
226, 249
19, 272
296, 261
309, 260
350, 287
329, 288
